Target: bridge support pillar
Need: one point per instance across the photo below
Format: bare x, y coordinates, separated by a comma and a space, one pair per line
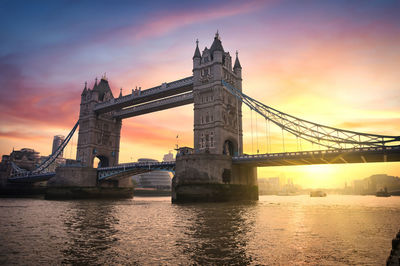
212, 178
81, 182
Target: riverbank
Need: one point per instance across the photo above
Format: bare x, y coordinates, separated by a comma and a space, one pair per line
394, 257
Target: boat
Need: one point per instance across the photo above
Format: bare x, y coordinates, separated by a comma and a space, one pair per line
383, 193
317, 193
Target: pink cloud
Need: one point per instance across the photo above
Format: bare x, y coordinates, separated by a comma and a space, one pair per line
168, 21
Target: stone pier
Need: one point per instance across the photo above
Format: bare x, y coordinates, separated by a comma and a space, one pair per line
74, 182
212, 178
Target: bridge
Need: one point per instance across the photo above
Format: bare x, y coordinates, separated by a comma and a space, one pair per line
217, 159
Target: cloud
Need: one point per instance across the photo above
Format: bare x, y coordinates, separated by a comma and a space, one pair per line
26, 100
159, 130
392, 125
167, 21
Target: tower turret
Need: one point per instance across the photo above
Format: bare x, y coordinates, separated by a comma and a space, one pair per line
196, 56
216, 49
237, 68
84, 92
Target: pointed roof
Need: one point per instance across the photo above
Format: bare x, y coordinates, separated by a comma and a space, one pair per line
197, 51
237, 63
102, 88
84, 90
216, 45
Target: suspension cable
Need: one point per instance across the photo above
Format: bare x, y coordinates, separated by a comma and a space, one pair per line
266, 135
283, 140
269, 136
237, 122
72, 144
301, 147
257, 134
310, 131
252, 142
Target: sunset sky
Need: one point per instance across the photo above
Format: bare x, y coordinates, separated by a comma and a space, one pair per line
332, 62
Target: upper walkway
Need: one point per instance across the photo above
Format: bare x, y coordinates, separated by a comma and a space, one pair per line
162, 91
154, 106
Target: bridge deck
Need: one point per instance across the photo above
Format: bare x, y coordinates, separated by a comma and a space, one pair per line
343, 156
33, 178
130, 169
162, 91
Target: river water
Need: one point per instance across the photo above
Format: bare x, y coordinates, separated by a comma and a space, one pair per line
336, 230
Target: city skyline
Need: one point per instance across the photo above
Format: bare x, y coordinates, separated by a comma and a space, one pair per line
325, 62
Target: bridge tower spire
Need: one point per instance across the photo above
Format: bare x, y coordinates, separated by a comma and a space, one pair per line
217, 113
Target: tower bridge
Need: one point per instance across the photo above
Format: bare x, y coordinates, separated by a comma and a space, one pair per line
217, 169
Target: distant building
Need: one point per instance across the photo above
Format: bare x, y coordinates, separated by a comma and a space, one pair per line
25, 158
29, 159
169, 157
160, 180
360, 186
374, 183
57, 141
269, 185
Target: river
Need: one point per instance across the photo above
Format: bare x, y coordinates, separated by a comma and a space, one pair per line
336, 230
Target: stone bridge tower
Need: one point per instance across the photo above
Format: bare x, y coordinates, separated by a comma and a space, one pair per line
99, 135
217, 113
209, 173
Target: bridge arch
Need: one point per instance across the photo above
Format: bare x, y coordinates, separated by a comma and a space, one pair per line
230, 147
100, 161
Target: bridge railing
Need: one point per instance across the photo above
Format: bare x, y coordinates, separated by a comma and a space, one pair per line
136, 164
319, 152
157, 89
